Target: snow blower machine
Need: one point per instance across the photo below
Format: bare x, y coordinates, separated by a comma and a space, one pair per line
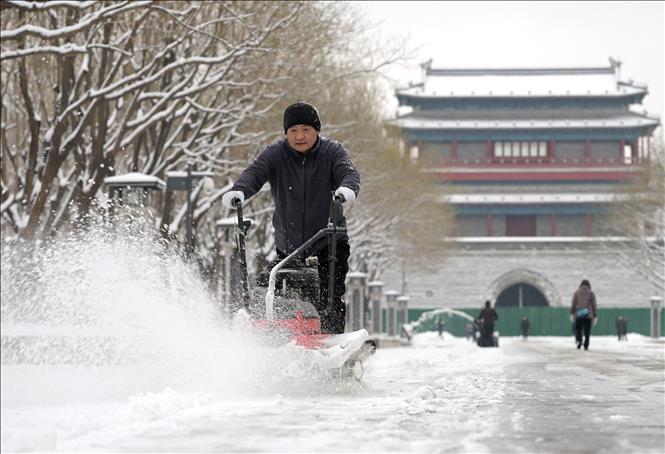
488, 337
286, 302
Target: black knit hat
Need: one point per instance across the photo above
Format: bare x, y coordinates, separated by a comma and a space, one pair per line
301, 113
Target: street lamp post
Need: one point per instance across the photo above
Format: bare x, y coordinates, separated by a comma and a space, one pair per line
402, 313
355, 314
184, 181
132, 188
375, 295
391, 303
655, 316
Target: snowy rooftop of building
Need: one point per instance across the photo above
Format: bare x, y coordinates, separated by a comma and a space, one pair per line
538, 239
415, 122
522, 82
517, 199
135, 179
376, 284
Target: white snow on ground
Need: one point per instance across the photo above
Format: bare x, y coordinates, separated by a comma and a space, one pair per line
440, 395
110, 342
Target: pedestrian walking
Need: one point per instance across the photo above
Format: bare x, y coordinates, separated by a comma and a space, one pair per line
470, 331
439, 326
622, 327
487, 318
304, 170
524, 325
583, 312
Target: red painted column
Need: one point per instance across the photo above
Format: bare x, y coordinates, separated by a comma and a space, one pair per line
551, 150
489, 224
648, 153
587, 150
589, 224
622, 145
453, 151
553, 224
490, 151
635, 151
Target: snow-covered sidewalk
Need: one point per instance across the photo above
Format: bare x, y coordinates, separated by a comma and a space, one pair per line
440, 395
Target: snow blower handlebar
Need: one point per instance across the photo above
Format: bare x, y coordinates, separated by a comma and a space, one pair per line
240, 238
336, 213
331, 230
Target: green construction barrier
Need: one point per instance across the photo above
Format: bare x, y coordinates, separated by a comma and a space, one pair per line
544, 321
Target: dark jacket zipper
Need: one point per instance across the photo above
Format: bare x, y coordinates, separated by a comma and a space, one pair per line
304, 199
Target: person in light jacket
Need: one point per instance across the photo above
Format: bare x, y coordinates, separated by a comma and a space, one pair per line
583, 312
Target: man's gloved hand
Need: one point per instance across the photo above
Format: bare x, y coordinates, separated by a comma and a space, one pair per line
347, 194
595, 320
229, 197
572, 318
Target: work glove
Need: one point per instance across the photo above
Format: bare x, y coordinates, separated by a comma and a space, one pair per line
572, 318
348, 196
595, 320
229, 197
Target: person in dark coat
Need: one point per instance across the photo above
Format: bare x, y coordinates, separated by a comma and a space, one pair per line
583, 311
304, 170
524, 325
470, 330
622, 327
487, 317
439, 326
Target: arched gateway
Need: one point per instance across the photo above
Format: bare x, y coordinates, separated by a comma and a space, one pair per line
521, 295
522, 287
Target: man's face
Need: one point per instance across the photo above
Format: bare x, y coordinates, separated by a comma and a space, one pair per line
301, 137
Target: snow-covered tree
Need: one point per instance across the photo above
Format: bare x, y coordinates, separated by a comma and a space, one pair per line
94, 89
638, 215
394, 206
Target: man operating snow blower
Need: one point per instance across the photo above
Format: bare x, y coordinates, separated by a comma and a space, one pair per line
304, 170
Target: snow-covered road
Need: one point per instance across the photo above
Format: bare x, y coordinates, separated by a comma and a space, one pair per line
440, 395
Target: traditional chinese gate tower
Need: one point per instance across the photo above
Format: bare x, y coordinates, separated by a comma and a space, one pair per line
533, 157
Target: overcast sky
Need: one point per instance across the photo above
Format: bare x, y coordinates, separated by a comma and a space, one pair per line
531, 34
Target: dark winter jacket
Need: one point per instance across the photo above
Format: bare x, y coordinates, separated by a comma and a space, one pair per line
301, 186
488, 315
584, 298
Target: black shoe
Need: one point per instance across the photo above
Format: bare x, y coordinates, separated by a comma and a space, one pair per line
579, 345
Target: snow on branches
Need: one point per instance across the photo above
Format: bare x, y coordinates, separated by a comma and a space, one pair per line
96, 88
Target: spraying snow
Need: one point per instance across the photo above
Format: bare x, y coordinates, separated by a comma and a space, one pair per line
118, 308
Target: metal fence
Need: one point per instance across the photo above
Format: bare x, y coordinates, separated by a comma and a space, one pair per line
545, 321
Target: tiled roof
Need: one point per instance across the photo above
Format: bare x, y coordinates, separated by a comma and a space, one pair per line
519, 199
522, 82
522, 114
625, 121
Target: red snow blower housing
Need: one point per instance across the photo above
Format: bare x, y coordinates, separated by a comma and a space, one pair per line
287, 302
